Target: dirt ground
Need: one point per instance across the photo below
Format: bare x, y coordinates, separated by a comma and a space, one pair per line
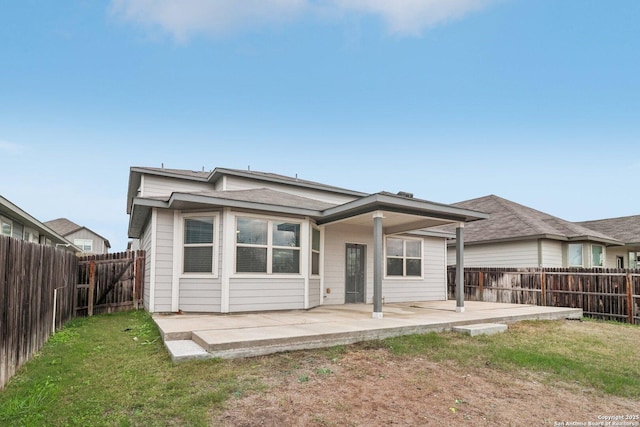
372, 387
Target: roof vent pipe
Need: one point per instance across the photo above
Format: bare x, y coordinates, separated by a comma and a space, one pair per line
405, 194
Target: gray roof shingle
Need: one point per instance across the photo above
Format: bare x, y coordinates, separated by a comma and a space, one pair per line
512, 221
63, 226
625, 229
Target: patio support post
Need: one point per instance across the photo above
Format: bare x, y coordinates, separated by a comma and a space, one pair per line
460, 267
377, 264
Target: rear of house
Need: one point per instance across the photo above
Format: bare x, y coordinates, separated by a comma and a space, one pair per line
239, 241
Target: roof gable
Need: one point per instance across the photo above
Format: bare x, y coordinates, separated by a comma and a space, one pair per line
66, 227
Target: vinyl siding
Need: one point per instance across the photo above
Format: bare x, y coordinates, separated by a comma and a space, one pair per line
507, 254
164, 261
160, 186
432, 287
98, 244
236, 183
200, 295
261, 294
552, 254
336, 238
314, 293
145, 244
615, 251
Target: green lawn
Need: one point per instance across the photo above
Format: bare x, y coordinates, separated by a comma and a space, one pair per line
114, 370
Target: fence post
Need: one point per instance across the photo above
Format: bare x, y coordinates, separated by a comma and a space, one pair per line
92, 286
481, 285
630, 299
543, 288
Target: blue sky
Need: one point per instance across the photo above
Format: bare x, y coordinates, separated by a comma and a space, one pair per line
535, 101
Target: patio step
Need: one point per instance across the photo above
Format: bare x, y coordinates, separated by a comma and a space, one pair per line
183, 350
481, 329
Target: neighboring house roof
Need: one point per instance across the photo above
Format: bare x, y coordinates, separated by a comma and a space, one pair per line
625, 229
66, 227
512, 221
13, 212
424, 213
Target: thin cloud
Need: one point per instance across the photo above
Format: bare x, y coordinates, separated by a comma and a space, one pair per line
10, 147
412, 17
183, 19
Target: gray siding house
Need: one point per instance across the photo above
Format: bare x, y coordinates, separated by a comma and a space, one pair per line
90, 242
231, 240
519, 236
16, 223
625, 229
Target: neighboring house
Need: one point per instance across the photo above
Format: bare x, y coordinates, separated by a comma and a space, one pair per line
16, 223
237, 241
87, 240
519, 236
627, 230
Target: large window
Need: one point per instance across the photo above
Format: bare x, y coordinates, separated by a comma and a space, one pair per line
86, 245
198, 245
404, 257
597, 256
267, 246
634, 259
575, 255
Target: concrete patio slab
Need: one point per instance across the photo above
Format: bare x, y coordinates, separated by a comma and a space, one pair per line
242, 335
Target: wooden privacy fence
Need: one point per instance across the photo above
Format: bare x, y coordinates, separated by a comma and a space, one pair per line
110, 282
42, 287
609, 294
30, 276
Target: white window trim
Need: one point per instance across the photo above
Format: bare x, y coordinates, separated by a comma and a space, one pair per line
312, 251
179, 245
569, 255
604, 256
7, 221
304, 241
31, 232
82, 245
404, 272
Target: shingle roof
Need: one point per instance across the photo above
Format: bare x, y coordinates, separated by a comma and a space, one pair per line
264, 196
512, 221
625, 229
63, 226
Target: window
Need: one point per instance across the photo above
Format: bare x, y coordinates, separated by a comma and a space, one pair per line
404, 257
267, 246
86, 245
7, 226
597, 256
575, 255
634, 259
31, 235
315, 251
198, 245
619, 262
